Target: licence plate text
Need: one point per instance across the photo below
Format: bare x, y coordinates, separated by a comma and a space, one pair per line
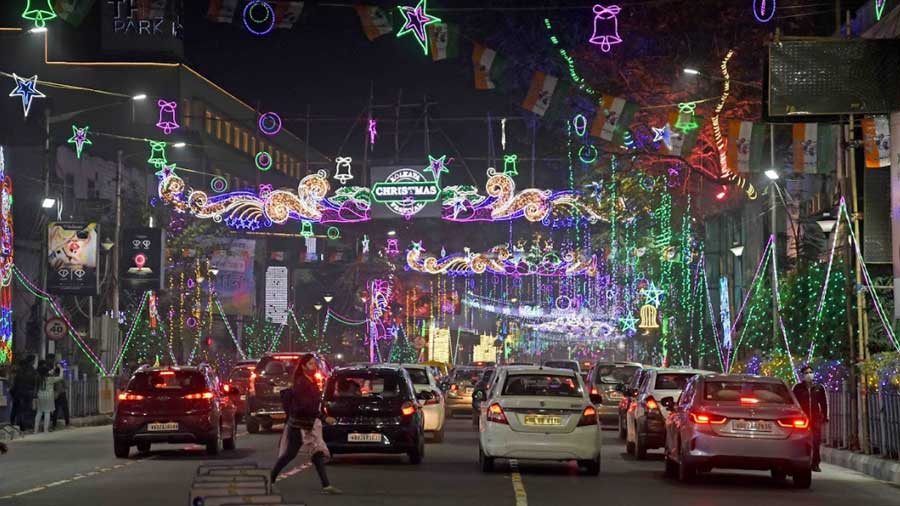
542, 420
364, 438
162, 427
752, 426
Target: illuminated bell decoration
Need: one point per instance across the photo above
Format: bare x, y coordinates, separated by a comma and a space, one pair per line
686, 121
167, 121
648, 317
606, 27
509, 165
306, 229
157, 154
39, 11
342, 169
392, 247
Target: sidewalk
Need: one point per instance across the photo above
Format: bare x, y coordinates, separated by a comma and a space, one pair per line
872, 465
9, 433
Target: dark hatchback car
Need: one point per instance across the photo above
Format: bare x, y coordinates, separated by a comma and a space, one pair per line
273, 373
376, 410
240, 377
175, 405
603, 379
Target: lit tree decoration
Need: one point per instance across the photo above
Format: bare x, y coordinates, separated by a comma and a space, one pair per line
79, 139
167, 121
39, 15
27, 89
416, 19
157, 154
606, 27
342, 169
764, 10
510, 163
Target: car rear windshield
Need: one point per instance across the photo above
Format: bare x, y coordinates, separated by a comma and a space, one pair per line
418, 376
613, 374
740, 391
547, 385
240, 373
467, 376
672, 381
167, 381
277, 365
366, 385
562, 364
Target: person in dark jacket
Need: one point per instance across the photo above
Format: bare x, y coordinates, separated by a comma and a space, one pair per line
23, 392
812, 399
303, 429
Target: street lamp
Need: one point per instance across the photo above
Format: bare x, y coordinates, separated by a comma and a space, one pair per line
737, 250
772, 174
139, 97
328, 298
826, 223
691, 72
48, 202
318, 308
179, 145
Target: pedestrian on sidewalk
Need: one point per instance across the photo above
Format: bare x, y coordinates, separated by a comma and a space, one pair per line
303, 428
61, 400
812, 399
47, 378
23, 392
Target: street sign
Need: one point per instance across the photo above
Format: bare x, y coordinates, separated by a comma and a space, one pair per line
55, 328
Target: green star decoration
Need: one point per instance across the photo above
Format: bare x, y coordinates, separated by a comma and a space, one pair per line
653, 295
79, 139
628, 323
415, 21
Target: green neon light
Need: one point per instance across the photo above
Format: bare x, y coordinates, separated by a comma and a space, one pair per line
333, 233
39, 16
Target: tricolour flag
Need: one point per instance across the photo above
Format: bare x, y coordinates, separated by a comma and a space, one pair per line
877, 141
444, 41
287, 13
374, 21
540, 93
73, 11
221, 11
681, 143
483, 60
745, 145
613, 117
813, 148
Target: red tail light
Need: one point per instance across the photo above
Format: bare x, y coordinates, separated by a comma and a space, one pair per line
794, 423
594, 391
408, 409
651, 403
434, 400
454, 387
252, 385
495, 414
588, 417
707, 419
226, 387
749, 400
199, 396
128, 396
167, 373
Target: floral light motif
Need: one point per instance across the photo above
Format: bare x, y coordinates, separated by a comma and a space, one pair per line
536, 261
606, 27
167, 121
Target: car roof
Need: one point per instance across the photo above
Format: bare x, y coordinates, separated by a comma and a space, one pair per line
563, 360
679, 370
742, 377
414, 366
529, 369
370, 367
188, 368
245, 363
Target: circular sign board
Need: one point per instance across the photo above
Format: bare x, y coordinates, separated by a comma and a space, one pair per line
55, 328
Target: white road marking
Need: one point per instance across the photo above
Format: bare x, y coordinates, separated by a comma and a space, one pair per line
518, 485
76, 477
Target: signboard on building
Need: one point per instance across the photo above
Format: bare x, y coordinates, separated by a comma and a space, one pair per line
235, 283
439, 344
72, 258
145, 26
277, 294
141, 260
404, 192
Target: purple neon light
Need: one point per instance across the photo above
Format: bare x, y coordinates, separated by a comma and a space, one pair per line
167, 121
373, 131
606, 27
764, 10
270, 17
269, 123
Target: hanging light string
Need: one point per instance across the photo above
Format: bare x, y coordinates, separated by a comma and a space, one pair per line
130, 334
754, 288
712, 318
821, 305
777, 294
231, 334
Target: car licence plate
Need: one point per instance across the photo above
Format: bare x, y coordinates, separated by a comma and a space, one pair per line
363, 438
752, 426
542, 420
162, 427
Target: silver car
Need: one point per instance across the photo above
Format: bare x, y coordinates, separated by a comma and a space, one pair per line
737, 422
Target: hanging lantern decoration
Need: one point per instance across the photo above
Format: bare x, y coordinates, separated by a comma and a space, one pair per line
606, 27
686, 121
167, 121
342, 169
648, 317
39, 12
157, 154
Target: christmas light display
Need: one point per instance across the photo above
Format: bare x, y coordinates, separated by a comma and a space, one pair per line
259, 17
373, 131
648, 317
720, 140
157, 154
879, 8
379, 313
365, 244
764, 10
79, 139
39, 12
6, 264
27, 90
579, 123
342, 168
510, 163
588, 154
686, 121
663, 134
333, 233
628, 323
393, 247
269, 123
167, 119
653, 295
218, 184
500, 260
306, 229
606, 27
415, 20
264, 161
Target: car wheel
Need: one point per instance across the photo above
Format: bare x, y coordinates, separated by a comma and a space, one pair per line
213, 446
122, 450
416, 456
230, 443
252, 425
623, 433
640, 447
671, 467
486, 463
803, 479
591, 467
629, 448
143, 447
439, 436
778, 475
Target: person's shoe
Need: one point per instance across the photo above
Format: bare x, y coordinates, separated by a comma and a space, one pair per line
816, 469
332, 490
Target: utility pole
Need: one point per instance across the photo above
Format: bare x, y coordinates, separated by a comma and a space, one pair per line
367, 144
44, 238
115, 255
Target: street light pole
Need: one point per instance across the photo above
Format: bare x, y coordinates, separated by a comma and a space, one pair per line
115, 252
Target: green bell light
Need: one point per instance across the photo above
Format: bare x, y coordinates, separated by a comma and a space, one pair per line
157, 154
306, 229
39, 12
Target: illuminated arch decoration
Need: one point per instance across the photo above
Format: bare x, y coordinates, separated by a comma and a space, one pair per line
249, 211
259, 17
6, 264
500, 260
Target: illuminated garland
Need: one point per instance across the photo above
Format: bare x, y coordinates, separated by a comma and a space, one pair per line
6, 264
720, 139
130, 333
499, 260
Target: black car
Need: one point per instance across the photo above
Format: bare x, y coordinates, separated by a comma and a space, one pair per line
273, 373
480, 391
375, 410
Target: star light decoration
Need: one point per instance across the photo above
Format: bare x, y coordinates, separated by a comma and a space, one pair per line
79, 139
365, 244
437, 166
653, 295
628, 323
663, 134
166, 171
27, 89
416, 19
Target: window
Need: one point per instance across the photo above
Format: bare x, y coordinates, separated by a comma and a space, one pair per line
240, 373
418, 376
612, 374
186, 112
167, 381
738, 391
545, 385
244, 138
209, 123
366, 385
227, 132
237, 138
218, 127
687, 394
668, 381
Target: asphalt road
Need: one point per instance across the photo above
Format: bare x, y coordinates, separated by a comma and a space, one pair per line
77, 467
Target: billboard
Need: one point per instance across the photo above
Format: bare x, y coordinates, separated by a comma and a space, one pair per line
405, 192
141, 260
149, 26
277, 294
72, 258
235, 284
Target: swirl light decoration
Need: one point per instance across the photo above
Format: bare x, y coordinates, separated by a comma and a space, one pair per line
720, 139
499, 260
6, 264
248, 210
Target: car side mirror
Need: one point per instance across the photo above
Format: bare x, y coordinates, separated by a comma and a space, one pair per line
479, 395
668, 402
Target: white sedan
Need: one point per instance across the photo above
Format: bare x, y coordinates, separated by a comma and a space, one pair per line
423, 381
539, 413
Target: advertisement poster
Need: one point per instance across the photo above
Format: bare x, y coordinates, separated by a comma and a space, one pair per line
235, 282
72, 258
142, 265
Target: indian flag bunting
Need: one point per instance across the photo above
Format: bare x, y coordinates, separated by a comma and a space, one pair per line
613, 117
73, 11
877, 141
221, 11
444, 41
287, 13
540, 93
812, 148
483, 60
374, 21
745, 145
682, 143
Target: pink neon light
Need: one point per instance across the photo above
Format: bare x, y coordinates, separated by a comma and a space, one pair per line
762, 11
606, 27
167, 121
373, 131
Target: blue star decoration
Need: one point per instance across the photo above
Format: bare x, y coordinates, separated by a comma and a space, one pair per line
653, 295
437, 166
416, 19
628, 323
27, 89
166, 171
79, 139
663, 134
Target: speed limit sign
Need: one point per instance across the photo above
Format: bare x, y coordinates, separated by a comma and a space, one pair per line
55, 328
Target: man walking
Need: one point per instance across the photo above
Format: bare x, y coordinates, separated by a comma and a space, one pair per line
811, 396
61, 401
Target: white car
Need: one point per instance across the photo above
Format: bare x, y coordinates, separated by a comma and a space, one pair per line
539, 413
423, 381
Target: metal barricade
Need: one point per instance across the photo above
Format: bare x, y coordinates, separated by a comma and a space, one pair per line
883, 409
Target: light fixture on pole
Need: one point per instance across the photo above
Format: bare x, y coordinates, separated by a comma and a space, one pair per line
392, 233
214, 271
179, 145
107, 244
318, 307
139, 97
691, 72
826, 223
328, 298
48, 202
737, 250
772, 174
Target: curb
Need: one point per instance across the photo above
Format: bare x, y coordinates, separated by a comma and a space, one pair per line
876, 467
9, 432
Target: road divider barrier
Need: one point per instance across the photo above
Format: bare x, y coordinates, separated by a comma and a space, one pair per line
233, 484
